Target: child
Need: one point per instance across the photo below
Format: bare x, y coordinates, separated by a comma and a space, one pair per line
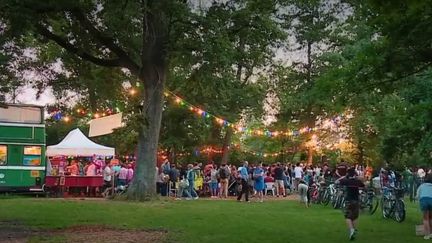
303, 192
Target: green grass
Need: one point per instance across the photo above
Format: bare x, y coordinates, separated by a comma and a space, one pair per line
214, 221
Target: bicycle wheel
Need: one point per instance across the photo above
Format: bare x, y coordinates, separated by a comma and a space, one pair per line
399, 211
314, 196
337, 202
342, 204
326, 198
334, 201
373, 203
385, 208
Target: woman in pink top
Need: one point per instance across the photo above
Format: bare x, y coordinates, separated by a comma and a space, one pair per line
130, 173
122, 177
73, 168
91, 170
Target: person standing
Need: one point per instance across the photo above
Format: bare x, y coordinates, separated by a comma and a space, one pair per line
73, 169
213, 182
352, 204
279, 180
130, 174
107, 176
122, 178
244, 176
258, 176
173, 176
223, 175
298, 175
166, 167
424, 194
191, 179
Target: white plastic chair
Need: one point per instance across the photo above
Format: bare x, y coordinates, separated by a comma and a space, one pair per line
173, 190
269, 186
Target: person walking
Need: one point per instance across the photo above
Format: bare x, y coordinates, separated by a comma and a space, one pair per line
191, 179
258, 176
244, 176
424, 194
183, 189
223, 175
352, 204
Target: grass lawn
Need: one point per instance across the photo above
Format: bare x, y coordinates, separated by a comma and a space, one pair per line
212, 221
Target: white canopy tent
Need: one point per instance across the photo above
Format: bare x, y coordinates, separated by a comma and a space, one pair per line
77, 144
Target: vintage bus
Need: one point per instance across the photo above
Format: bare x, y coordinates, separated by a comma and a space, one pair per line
22, 148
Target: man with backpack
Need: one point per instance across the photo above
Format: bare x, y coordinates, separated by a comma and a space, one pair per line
223, 174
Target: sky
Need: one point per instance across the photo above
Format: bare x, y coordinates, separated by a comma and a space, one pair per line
28, 96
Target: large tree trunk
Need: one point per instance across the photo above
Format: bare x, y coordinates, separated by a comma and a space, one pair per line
143, 186
310, 155
153, 75
226, 145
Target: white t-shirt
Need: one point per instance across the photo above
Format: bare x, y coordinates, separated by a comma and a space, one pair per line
298, 172
421, 173
107, 173
317, 172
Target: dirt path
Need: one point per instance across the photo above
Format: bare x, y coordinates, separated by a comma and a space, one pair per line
15, 232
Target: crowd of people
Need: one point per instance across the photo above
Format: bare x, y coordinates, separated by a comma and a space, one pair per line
254, 179
226, 180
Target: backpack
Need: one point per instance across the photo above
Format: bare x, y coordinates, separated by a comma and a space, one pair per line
223, 173
166, 168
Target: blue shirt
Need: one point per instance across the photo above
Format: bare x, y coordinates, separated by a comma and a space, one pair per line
116, 168
424, 190
244, 173
191, 175
259, 172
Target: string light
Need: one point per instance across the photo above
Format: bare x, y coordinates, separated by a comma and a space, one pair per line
222, 122
132, 91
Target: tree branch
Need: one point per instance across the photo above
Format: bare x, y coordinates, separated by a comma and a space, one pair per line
75, 50
107, 41
396, 79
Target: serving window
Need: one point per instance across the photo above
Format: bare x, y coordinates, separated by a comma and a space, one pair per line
3, 154
32, 155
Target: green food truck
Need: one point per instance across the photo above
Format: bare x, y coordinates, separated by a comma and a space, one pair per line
22, 148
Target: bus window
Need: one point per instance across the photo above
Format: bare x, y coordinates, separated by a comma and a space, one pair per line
21, 114
32, 155
3, 154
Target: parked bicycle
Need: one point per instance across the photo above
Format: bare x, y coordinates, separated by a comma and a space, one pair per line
338, 200
314, 193
328, 194
368, 200
392, 204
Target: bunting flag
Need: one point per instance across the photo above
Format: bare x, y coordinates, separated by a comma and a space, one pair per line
58, 115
